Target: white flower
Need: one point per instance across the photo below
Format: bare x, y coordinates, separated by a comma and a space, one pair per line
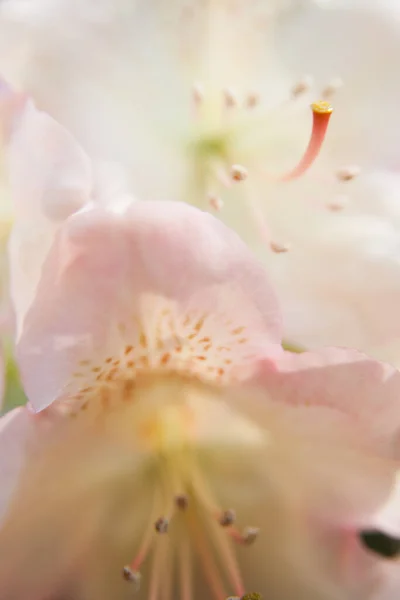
180, 92
149, 344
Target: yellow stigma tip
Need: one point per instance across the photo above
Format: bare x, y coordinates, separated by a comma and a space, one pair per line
322, 107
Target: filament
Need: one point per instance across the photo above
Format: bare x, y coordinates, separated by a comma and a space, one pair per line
185, 569
322, 112
210, 570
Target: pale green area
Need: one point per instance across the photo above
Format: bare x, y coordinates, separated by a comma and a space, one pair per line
289, 347
14, 394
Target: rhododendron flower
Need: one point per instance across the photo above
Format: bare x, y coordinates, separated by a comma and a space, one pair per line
209, 102
176, 447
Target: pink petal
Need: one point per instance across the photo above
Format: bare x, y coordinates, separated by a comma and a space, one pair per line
388, 518
49, 172
15, 430
113, 272
345, 407
50, 178
11, 105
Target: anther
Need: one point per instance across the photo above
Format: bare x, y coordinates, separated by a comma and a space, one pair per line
215, 202
251, 596
332, 87
321, 115
279, 248
302, 86
230, 98
198, 93
238, 173
227, 518
338, 203
247, 537
161, 525
182, 501
131, 576
252, 100
348, 173
250, 534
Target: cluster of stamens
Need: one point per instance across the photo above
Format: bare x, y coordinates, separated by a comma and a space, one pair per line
225, 519
226, 175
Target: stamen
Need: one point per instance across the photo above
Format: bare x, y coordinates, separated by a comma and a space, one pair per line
302, 86
332, 87
156, 573
161, 525
279, 248
220, 172
230, 98
238, 173
197, 100
198, 93
228, 557
145, 546
168, 559
210, 570
338, 203
215, 202
185, 569
221, 540
182, 501
131, 576
348, 173
247, 537
227, 518
321, 115
257, 216
252, 100
250, 534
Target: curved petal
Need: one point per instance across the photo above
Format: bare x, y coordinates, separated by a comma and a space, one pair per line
11, 105
340, 282
388, 518
340, 411
15, 430
346, 382
389, 582
144, 284
49, 177
67, 509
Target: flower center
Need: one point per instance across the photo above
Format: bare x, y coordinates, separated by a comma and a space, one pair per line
195, 447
